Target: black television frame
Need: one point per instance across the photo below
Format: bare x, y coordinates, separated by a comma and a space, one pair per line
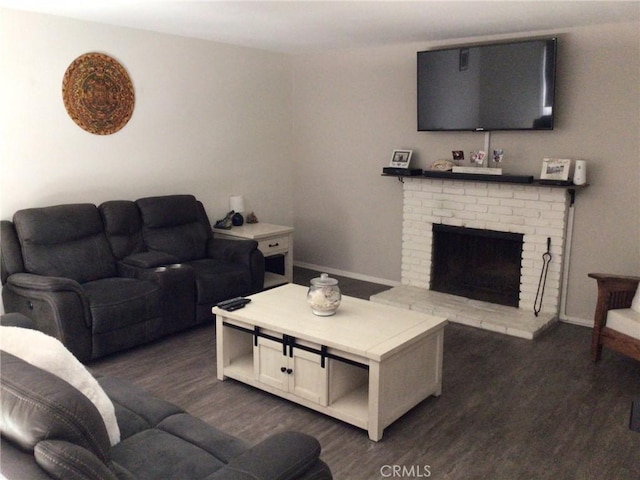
546, 122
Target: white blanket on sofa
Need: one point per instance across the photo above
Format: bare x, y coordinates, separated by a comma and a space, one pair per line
48, 353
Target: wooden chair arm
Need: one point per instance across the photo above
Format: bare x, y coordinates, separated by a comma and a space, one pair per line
614, 291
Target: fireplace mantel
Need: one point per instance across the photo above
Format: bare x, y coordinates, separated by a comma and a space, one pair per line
480, 177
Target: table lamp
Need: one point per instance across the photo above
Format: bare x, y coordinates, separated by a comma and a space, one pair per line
236, 203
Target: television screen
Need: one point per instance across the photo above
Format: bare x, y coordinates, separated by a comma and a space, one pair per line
506, 86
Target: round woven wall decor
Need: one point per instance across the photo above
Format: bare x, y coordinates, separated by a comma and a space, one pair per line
98, 93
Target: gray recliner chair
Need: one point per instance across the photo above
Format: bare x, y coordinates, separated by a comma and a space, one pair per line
178, 225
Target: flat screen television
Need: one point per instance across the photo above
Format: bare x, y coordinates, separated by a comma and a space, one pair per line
500, 86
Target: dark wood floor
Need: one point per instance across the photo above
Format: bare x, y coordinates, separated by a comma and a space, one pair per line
510, 408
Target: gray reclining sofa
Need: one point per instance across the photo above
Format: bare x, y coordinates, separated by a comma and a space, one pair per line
105, 278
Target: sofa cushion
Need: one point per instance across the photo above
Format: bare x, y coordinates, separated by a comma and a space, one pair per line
48, 353
136, 409
172, 224
123, 226
624, 320
154, 454
38, 406
120, 302
65, 241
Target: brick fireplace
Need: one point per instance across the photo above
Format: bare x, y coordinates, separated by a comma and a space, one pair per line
536, 212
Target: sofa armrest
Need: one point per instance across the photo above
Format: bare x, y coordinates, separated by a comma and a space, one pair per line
283, 456
57, 306
43, 283
231, 250
17, 320
240, 251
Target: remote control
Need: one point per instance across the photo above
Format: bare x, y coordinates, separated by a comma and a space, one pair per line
230, 301
234, 303
233, 307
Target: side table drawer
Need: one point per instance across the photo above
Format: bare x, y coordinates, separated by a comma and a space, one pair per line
273, 246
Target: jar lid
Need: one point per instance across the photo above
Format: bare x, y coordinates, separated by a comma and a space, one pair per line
324, 280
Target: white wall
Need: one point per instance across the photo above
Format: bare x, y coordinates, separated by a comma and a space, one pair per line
352, 108
209, 119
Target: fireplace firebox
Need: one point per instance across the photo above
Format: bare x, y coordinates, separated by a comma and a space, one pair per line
478, 264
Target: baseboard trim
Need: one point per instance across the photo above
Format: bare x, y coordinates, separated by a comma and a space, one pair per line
577, 321
344, 273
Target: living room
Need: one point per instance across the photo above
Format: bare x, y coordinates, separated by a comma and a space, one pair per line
304, 136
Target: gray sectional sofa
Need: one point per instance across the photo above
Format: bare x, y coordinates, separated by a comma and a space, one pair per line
105, 278
51, 429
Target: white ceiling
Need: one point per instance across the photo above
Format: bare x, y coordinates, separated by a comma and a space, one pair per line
312, 26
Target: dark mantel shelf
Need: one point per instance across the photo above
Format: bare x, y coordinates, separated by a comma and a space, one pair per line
479, 177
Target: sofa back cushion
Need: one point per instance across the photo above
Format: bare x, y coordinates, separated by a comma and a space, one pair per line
123, 226
65, 241
37, 406
174, 224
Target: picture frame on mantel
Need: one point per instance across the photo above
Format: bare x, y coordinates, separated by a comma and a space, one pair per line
555, 169
401, 158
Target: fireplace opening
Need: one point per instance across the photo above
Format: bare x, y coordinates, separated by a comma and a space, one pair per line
478, 264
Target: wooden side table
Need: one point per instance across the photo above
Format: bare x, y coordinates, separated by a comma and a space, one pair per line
272, 240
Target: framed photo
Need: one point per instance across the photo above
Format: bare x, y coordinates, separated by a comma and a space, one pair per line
555, 169
401, 158
478, 157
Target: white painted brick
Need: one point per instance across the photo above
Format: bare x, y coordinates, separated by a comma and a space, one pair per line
512, 202
456, 190
430, 187
489, 218
452, 205
452, 222
501, 194
553, 214
476, 208
501, 210
443, 213
527, 212
542, 206
476, 192
488, 201
466, 215
511, 220
527, 195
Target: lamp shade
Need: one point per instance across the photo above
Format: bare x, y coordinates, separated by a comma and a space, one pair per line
236, 203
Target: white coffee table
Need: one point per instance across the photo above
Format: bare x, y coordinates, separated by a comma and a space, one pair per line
366, 365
